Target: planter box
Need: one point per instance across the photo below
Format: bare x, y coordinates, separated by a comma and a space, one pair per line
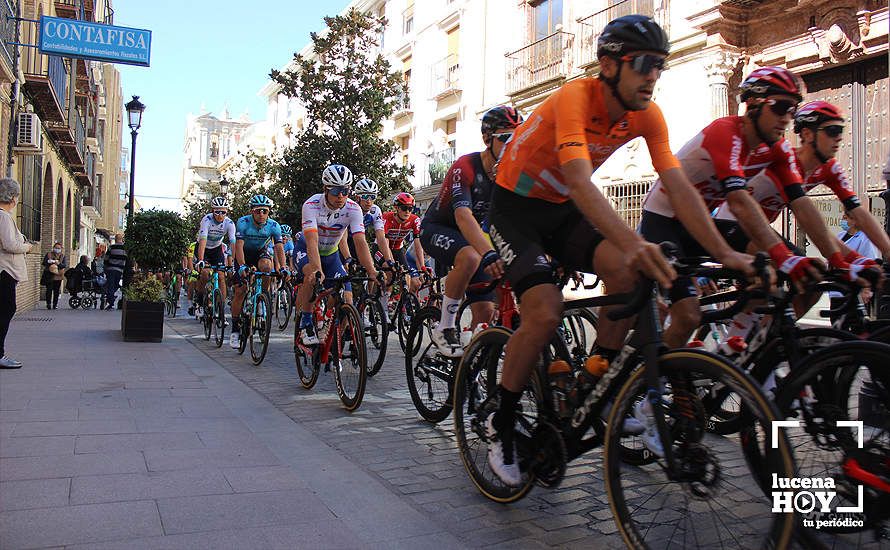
142, 321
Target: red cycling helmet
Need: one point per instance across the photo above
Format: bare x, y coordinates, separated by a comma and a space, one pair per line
404, 199
772, 81
502, 117
814, 113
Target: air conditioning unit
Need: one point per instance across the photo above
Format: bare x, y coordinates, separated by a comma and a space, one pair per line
28, 137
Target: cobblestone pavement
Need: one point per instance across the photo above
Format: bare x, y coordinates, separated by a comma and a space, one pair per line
418, 460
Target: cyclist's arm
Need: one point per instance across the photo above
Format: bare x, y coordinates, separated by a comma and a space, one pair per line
872, 229
199, 251
364, 253
750, 216
239, 251
692, 212
279, 256
471, 231
810, 220
311, 237
343, 246
594, 206
383, 244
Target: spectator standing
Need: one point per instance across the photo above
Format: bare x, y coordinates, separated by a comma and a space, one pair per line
858, 241
116, 263
13, 248
54, 264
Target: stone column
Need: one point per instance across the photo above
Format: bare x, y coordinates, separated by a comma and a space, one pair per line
719, 68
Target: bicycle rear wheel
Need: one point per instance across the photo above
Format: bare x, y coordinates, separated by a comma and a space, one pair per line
475, 398
350, 359
283, 305
245, 328
207, 315
710, 497
262, 326
219, 318
376, 332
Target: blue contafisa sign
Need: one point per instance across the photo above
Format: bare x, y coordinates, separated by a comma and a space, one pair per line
83, 39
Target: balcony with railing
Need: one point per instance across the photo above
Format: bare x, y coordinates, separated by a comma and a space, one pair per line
73, 148
76, 9
46, 79
445, 76
7, 32
439, 163
403, 105
543, 61
592, 26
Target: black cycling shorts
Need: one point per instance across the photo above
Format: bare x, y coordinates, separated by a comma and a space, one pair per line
251, 259
214, 256
442, 243
528, 232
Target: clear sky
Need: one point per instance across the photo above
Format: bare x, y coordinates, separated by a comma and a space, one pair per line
211, 52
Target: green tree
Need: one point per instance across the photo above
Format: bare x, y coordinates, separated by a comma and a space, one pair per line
348, 89
157, 239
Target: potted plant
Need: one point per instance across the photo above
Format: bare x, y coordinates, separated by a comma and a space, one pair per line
155, 241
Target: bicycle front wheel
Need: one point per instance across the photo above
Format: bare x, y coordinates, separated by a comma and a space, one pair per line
710, 496
207, 315
408, 307
376, 332
262, 325
350, 363
219, 319
283, 306
430, 375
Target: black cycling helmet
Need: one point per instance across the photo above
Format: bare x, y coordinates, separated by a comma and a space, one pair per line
502, 117
632, 33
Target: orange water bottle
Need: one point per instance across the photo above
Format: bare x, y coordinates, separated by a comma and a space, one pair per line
560, 375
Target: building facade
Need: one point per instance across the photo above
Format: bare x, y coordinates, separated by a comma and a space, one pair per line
54, 134
209, 141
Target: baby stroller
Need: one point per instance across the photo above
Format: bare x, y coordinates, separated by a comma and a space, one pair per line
86, 290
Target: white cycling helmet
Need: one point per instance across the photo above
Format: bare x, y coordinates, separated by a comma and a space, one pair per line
366, 186
336, 175
219, 202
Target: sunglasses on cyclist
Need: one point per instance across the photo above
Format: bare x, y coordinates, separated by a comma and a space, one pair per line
503, 138
338, 191
368, 197
833, 131
782, 107
260, 211
220, 212
644, 63
403, 207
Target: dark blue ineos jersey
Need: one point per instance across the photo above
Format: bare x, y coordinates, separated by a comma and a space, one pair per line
466, 185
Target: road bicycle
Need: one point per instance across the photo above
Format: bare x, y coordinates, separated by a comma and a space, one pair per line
214, 312
341, 343
688, 497
284, 304
256, 316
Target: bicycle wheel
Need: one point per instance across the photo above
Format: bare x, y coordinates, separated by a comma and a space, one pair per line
74, 302
430, 375
350, 360
407, 308
245, 328
845, 382
579, 332
87, 303
283, 306
219, 318
710, 497
207, 315
475, 399
306, 360
262, 326
376, 332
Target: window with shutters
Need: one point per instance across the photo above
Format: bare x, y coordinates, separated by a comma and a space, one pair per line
408, 18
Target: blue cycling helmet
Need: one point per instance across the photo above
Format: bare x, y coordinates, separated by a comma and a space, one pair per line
260, 200
286, 230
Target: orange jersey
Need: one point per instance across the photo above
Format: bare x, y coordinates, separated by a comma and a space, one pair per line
573, 124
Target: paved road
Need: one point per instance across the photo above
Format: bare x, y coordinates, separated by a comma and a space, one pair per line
418, 461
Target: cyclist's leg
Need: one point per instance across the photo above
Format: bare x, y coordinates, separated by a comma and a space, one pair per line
449, 247
332, 267
214, 258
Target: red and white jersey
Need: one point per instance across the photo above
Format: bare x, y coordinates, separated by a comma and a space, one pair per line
396, 231
767, 190
718, 160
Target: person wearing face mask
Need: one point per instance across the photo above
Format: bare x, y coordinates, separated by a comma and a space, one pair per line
855, 239
54, 264
13, 248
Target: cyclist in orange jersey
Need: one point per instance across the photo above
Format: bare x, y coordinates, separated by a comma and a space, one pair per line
545, 206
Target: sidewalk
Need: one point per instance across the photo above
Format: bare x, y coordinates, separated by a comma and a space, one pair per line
126, 445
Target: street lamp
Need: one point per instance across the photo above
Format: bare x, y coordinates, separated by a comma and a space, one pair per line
224, 187
134, 121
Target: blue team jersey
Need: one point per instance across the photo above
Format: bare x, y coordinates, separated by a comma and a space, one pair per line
257, 238
289, 247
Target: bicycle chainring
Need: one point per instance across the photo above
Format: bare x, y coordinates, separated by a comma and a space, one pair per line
698, 468
550, 457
